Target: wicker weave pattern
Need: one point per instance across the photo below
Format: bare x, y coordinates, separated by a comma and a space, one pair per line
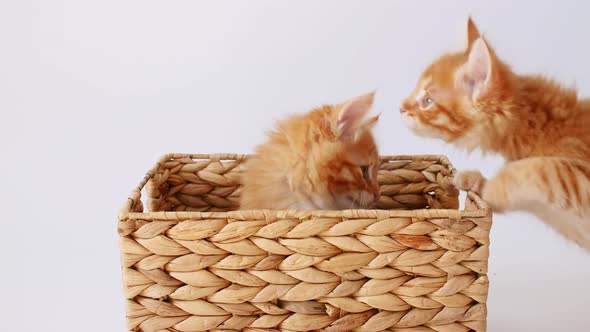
361, 270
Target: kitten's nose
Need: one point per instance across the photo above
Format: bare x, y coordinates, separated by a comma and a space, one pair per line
402, 110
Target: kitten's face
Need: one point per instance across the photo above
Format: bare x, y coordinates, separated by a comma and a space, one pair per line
456, 93
349, 171
437, 107
344, 156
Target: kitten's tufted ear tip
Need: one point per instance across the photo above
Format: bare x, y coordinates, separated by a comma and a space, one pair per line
472, 32
370, 123
359, 104
367, 98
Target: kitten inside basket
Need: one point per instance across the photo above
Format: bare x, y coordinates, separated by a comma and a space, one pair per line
326, 159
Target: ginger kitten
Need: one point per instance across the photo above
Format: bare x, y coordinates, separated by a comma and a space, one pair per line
326, 159
473, 99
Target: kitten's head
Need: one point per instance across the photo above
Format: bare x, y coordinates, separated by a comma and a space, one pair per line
342, 155
457, 92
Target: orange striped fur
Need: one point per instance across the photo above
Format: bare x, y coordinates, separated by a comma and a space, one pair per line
325, 159
474, 100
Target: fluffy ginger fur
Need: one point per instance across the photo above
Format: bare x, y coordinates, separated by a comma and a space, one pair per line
474, 100
326, 159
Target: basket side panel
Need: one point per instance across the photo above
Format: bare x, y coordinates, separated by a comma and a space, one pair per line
422, 274
195, 185
416, 184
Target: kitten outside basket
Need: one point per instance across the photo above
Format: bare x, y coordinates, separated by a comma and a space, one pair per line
194, 263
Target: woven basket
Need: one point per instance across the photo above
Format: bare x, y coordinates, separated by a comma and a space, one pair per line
194, 263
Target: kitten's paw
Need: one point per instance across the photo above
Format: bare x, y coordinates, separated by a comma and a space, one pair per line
470, 181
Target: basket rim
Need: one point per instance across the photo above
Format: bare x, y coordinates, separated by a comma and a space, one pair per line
128, 211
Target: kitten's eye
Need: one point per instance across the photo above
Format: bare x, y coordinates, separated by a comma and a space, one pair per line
365, 171
427, 101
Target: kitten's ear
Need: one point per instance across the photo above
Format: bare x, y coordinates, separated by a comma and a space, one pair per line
472, 33
351, 114
480, 71
371, 122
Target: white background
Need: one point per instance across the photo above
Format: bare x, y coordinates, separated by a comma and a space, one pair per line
93, 92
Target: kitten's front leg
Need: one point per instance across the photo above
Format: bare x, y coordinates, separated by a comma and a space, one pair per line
557, 190
558, 182
492, 191
502, 191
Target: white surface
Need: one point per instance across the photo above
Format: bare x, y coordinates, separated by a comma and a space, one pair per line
91, 93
